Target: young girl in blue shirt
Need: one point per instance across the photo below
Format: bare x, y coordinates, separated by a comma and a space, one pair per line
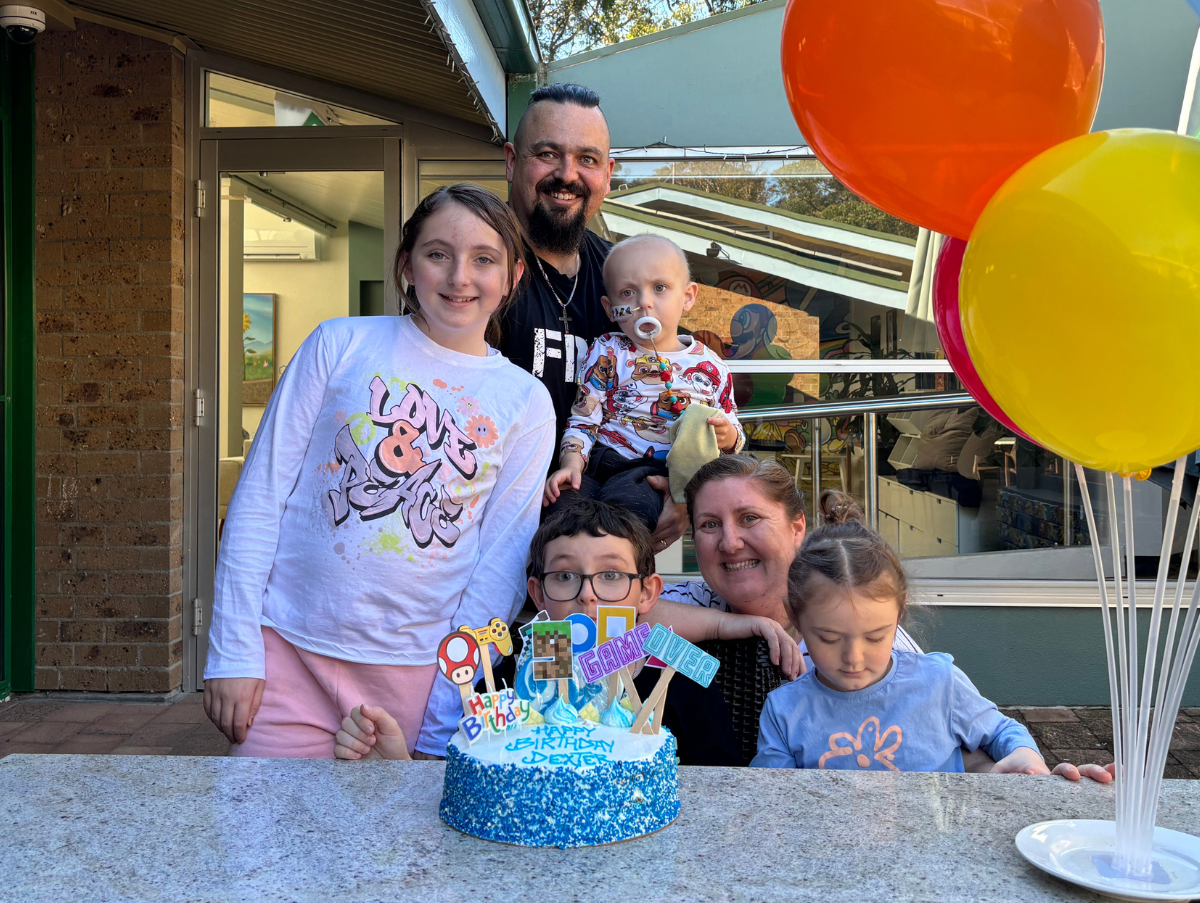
864, 705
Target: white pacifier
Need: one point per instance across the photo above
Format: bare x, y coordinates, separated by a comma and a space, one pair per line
647, 328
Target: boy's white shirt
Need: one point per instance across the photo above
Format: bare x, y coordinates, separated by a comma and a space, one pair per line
351, 558
620, 410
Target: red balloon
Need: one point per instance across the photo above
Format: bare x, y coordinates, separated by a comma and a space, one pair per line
925, 107
950, 331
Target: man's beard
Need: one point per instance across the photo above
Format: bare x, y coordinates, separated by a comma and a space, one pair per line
553, 231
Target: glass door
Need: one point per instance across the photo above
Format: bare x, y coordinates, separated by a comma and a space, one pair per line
294, 231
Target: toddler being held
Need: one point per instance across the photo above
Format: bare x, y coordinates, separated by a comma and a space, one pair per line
638, 382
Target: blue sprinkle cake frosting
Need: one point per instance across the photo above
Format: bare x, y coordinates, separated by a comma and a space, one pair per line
561, 785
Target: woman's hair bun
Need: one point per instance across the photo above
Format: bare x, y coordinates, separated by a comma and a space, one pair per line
839, 507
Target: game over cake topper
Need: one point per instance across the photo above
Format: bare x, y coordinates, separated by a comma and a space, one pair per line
686, 658
610, 657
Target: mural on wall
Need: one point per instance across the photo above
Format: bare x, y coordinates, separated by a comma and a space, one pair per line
258, 348
744, 318
739, 326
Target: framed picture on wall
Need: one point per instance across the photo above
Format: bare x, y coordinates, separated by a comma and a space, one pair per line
258, 347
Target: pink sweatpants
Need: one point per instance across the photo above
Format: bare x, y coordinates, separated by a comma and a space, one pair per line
307, 695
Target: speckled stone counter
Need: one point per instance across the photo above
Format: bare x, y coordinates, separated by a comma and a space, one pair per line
92, 829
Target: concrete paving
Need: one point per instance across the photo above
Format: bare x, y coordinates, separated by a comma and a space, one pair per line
41, 724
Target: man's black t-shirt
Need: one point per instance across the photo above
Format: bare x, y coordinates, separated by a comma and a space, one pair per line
534, 337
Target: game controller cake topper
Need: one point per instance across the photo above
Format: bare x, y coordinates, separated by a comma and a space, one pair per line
496, 633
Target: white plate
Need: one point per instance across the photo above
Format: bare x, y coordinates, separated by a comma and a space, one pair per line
1078, 851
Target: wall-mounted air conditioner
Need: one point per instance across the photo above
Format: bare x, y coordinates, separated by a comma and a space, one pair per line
299, 243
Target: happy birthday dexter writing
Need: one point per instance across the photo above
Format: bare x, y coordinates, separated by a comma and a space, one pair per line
551, 744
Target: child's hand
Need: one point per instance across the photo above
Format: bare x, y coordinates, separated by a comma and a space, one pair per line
570, 472
369, 732
784, 651
727, 436
1101, 774
231, 703
1021, 760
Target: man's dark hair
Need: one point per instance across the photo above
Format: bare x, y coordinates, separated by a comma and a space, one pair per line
576, 95
595, 519
566, 93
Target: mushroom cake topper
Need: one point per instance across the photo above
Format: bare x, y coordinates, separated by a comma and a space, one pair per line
458, 657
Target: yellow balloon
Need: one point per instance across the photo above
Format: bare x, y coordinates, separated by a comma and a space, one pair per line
1080, 298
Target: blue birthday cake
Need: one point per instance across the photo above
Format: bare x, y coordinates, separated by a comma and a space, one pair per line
561, 785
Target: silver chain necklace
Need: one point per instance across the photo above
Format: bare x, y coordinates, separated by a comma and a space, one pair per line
564, 319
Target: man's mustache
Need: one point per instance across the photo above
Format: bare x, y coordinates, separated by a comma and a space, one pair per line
551, 184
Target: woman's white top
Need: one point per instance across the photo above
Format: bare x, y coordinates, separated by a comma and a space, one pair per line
390, 495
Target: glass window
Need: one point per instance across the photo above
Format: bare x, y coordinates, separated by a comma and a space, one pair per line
958, 496
236, 103
792, 266
487, 173
797, 274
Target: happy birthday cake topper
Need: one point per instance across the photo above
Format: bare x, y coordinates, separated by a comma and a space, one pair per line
492, 714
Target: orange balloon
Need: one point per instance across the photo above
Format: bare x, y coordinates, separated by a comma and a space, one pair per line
925, 107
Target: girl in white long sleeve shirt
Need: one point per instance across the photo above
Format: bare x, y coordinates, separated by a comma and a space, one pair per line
390, 496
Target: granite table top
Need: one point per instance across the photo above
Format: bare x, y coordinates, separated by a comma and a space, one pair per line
92, 829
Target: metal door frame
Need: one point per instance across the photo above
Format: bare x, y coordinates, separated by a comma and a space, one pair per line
346, 149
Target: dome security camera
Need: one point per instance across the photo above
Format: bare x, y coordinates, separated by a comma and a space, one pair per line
23, 23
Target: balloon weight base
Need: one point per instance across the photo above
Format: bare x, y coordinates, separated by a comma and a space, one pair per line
1081, 852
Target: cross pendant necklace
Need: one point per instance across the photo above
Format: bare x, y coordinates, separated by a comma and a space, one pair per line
563, 317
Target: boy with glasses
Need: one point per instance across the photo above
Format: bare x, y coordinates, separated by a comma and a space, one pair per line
583, 556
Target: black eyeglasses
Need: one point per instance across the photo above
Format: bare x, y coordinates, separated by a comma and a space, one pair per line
608, 586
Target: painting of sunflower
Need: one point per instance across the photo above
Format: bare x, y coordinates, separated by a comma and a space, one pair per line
482, 430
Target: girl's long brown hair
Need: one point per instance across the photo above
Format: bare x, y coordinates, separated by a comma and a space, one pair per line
489, 208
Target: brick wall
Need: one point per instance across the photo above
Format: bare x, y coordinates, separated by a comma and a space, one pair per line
110, 182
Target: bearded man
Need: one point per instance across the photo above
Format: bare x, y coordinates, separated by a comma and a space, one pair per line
558, 167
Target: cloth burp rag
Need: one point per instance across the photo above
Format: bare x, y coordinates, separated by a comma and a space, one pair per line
693, 444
